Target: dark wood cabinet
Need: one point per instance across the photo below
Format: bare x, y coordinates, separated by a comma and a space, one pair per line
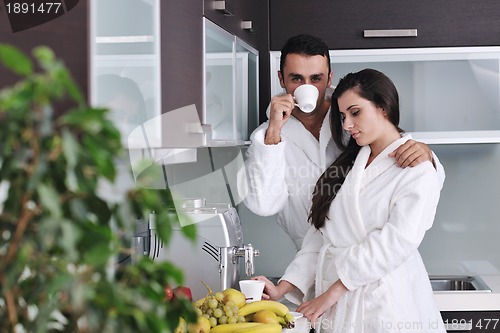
341, 23
237, 12
66, 35
181, 54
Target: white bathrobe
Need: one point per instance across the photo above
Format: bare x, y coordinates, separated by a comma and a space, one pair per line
376, 223
281, 177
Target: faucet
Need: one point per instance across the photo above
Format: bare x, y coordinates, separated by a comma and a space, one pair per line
248, 252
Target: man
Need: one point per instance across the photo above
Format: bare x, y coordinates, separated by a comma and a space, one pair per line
293, 148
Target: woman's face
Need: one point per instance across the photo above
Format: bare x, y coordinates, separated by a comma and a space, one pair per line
365, 122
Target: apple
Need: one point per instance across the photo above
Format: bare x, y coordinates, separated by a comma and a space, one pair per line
184, 292
169, 292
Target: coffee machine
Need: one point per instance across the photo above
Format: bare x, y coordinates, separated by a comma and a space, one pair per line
217, 253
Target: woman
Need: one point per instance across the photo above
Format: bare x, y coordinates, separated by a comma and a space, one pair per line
359, 266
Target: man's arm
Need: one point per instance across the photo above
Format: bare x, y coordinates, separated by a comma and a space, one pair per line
412, 153
280, 110
265, 175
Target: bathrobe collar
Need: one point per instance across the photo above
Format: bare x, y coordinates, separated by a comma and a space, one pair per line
296, 133
359, 177
381, 163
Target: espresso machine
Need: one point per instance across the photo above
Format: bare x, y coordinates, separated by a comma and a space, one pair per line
215, 256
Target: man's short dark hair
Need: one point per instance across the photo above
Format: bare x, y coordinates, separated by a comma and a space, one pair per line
306, 45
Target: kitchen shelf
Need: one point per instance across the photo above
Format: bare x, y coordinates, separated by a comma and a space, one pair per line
457, 137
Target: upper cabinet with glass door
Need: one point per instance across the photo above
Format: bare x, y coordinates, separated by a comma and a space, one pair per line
125, 65
447, 95
231, 87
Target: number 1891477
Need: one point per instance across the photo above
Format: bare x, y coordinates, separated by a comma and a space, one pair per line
33, 8
482, 324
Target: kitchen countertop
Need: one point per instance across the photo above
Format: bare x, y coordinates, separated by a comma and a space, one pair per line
477, 301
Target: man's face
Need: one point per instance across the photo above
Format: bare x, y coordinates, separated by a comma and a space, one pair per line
302, 69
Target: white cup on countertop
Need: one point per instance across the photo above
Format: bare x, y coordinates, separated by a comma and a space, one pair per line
252, 289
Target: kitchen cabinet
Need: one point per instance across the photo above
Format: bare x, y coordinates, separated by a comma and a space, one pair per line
125, 56
341, 24
66, 35
231, 86
447, 95
248, 20
159, 47
146, 59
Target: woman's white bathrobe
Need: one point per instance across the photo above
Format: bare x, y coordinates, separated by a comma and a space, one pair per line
377, 221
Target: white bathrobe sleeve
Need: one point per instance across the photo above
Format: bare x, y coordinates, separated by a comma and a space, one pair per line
301, 271
412, 210
439, 170
266, 175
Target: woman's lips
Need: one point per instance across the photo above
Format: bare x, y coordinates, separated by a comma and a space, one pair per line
355, 135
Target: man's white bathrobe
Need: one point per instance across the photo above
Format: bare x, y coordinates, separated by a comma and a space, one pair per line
281, 177
370, 242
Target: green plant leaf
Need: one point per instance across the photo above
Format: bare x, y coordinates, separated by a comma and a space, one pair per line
15, 60
53, 162
45, 57
71, 86
70, 148
189, 231
49, 200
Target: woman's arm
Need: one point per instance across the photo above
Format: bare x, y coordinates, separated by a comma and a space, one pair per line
315, 308
275, 292
301, 271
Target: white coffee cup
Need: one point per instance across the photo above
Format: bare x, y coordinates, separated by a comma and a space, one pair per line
252, 289
306, 97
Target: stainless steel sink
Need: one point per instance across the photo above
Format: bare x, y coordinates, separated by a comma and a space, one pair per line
454, 283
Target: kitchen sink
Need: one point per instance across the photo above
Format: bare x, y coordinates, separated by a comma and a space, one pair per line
447, 284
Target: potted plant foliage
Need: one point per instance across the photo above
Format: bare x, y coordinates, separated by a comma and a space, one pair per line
58, 237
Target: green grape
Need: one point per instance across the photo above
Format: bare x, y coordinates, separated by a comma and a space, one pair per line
232, 320
230, 304
210, 312
235, 309
198, 312
213, 321
212, 303
206, 315
219, 296
229, 313
223, 320
241, 319
218, 313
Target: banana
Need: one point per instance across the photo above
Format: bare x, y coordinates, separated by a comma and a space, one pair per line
276, 307
231, 328
264, 328
285, 318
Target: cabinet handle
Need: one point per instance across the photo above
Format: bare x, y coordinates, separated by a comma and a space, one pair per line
248, 26
224, 7
390, 33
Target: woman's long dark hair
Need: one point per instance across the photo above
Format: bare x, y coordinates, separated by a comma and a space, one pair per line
375, 87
